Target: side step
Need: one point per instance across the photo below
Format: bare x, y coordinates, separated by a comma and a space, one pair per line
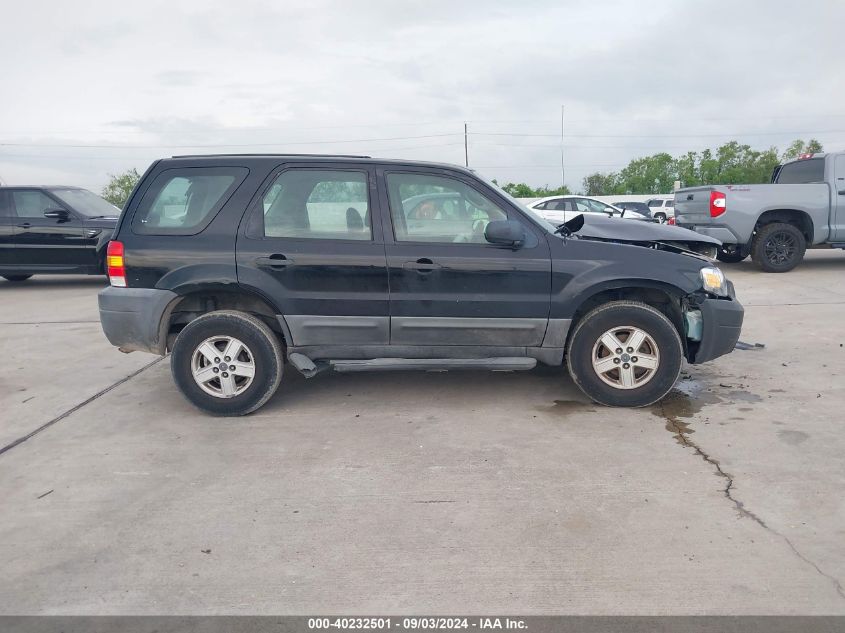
434, 364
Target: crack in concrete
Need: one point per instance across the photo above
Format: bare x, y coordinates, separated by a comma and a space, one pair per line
682, 437
77, 407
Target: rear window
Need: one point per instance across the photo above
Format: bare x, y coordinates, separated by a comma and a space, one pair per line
184, 201
801, 172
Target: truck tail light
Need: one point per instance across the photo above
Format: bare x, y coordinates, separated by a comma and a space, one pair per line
115, 265
718, 204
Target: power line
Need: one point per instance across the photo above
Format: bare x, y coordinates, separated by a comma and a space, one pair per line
654, 135
212, 145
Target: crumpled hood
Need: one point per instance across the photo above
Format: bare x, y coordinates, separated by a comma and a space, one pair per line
649, 234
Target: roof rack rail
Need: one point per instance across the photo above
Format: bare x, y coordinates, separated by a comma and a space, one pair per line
273, 154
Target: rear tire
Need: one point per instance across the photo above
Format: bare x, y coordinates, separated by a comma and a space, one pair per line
660, 217
257, 363
588, 354
16, 277
730, 256
778, 247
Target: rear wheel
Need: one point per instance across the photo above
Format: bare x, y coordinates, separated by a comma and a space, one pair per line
227, 363
625, 354
730, 254
660, 217
16, 277
778, 247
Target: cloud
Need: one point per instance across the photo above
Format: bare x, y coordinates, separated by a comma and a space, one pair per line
636, 78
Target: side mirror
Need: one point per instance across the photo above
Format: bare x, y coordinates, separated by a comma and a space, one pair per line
505, 233
57, 214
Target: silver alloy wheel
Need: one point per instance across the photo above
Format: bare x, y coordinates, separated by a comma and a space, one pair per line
625, 357
223, 366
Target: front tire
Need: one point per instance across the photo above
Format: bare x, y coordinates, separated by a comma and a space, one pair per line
625, 354
16, 278
730, 255
778, 247
227, 363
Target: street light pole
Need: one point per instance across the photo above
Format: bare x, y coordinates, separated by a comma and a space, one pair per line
562, 169
466, 146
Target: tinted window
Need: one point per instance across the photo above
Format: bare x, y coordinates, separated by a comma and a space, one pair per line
436, 209
184, 201
802, 171
670, 203
33, 204
5, 207
318, 204
655, 203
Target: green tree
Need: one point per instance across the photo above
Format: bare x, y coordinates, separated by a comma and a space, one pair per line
522, 190
599, 184
120, 186
732, 163
799, 146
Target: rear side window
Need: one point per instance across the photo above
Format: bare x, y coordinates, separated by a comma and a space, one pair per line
801, 172
184, 201
318, 204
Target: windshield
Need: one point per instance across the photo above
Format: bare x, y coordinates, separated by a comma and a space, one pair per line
534, 215
84, 202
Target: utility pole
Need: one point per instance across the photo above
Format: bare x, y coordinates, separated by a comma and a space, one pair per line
562, 170
466, 146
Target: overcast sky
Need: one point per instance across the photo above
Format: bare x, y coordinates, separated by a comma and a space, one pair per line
91, 88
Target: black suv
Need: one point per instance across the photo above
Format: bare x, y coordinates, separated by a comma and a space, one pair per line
53, 230
239, 263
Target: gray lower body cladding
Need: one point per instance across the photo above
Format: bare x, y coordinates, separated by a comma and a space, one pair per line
131, 317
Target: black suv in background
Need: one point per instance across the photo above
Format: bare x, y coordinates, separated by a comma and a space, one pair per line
236, 263
53, 230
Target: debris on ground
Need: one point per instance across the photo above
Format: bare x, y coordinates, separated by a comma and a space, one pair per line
749, 346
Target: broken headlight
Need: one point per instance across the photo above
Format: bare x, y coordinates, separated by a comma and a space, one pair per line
713, 281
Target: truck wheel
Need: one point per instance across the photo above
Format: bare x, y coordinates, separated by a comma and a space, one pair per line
660, 217
227, 363
16, 277
625, 354
778, 247
730, 255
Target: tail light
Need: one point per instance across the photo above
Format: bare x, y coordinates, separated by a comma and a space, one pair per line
718, 204
670, 221
115, 264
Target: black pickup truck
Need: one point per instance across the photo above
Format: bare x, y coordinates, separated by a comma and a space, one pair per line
238, 263
53, 230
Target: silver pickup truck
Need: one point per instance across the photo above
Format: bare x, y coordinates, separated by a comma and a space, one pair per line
803, 207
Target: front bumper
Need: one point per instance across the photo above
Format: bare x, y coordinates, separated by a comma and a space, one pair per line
131, 317
721, 327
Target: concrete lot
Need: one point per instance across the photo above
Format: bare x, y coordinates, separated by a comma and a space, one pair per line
426, 493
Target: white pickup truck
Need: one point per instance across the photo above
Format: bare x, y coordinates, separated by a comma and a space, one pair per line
803, 207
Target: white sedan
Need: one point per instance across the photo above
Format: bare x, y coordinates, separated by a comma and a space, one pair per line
560, 209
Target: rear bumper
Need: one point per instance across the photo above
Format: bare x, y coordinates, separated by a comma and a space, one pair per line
721, 233
721, 327
131, 317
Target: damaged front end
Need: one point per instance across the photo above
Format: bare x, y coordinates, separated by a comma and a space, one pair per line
647, 234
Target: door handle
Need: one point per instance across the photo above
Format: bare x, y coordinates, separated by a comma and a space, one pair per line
841, 192
25, 225
277, 261
423, 266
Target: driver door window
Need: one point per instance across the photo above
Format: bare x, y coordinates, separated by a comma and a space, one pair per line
435, 209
